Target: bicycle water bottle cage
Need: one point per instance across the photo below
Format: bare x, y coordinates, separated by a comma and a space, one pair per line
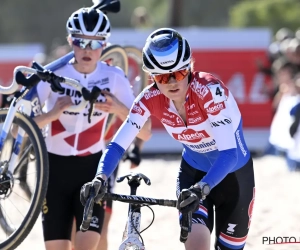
112, 6
135, 178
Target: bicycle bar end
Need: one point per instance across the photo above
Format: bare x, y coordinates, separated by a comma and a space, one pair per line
84, 226
186, 226
87, 214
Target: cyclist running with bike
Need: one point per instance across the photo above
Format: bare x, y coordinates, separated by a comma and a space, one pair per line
74, 145
196, 108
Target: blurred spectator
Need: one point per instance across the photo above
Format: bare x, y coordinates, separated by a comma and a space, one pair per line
58, 52
293, 153
140, 18
285, 98
277, 49
283, 73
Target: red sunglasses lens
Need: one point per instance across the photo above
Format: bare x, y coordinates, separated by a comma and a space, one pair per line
165, 78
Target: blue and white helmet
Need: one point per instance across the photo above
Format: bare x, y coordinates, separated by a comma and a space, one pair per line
166, 51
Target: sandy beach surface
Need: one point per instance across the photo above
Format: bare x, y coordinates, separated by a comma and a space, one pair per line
276, 212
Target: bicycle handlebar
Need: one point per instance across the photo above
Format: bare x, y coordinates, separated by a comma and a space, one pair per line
54, 80
186, 222
22, 80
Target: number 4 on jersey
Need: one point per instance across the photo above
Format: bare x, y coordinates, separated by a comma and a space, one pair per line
217, 92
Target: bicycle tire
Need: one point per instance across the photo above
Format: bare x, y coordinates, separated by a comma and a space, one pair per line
119, 58
118, 55
42, 166
136, 54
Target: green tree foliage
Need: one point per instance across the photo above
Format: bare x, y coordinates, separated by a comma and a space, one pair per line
274, 14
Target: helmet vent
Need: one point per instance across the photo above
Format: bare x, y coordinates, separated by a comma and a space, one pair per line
146, 62
187, 52
103, 25
76, 22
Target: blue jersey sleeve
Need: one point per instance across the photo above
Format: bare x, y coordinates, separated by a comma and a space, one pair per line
110, 159
226, 161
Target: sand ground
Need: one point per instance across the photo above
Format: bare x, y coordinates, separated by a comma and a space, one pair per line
276, 212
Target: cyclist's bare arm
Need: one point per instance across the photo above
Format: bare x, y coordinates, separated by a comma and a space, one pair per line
114, 106
61, 104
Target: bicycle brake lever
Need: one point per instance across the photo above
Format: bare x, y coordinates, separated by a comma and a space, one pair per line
92, 98
95, 93
44, 75
56, 86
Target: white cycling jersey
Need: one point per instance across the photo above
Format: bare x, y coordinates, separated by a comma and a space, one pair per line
71, 134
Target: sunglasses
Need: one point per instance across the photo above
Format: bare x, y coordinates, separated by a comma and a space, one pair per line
165, 78
83, 43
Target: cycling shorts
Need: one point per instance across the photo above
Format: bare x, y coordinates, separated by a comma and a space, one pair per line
110, 189
232, 199
67, 174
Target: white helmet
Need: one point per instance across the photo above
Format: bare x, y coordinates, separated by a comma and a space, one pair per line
89, 22
166, 51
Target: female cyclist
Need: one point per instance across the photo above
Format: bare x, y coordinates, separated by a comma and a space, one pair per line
74, 145
196, 108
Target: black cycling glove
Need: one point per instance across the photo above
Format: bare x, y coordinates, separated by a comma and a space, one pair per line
188, 200
99, 188
133, 154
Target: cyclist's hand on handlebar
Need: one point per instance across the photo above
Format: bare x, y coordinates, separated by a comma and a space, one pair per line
111, 105
188, 201
98, 185
60, 106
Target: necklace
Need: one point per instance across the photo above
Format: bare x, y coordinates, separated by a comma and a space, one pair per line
180, 108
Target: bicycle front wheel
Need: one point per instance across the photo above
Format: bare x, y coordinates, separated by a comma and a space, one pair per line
19, 209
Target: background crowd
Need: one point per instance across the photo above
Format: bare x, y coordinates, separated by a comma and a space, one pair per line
284, 72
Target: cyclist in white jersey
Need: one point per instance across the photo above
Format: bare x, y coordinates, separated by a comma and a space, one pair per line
75, 145
196, 108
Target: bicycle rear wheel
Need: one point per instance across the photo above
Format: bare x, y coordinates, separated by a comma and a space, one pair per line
114, 55
137, 76
18, 209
